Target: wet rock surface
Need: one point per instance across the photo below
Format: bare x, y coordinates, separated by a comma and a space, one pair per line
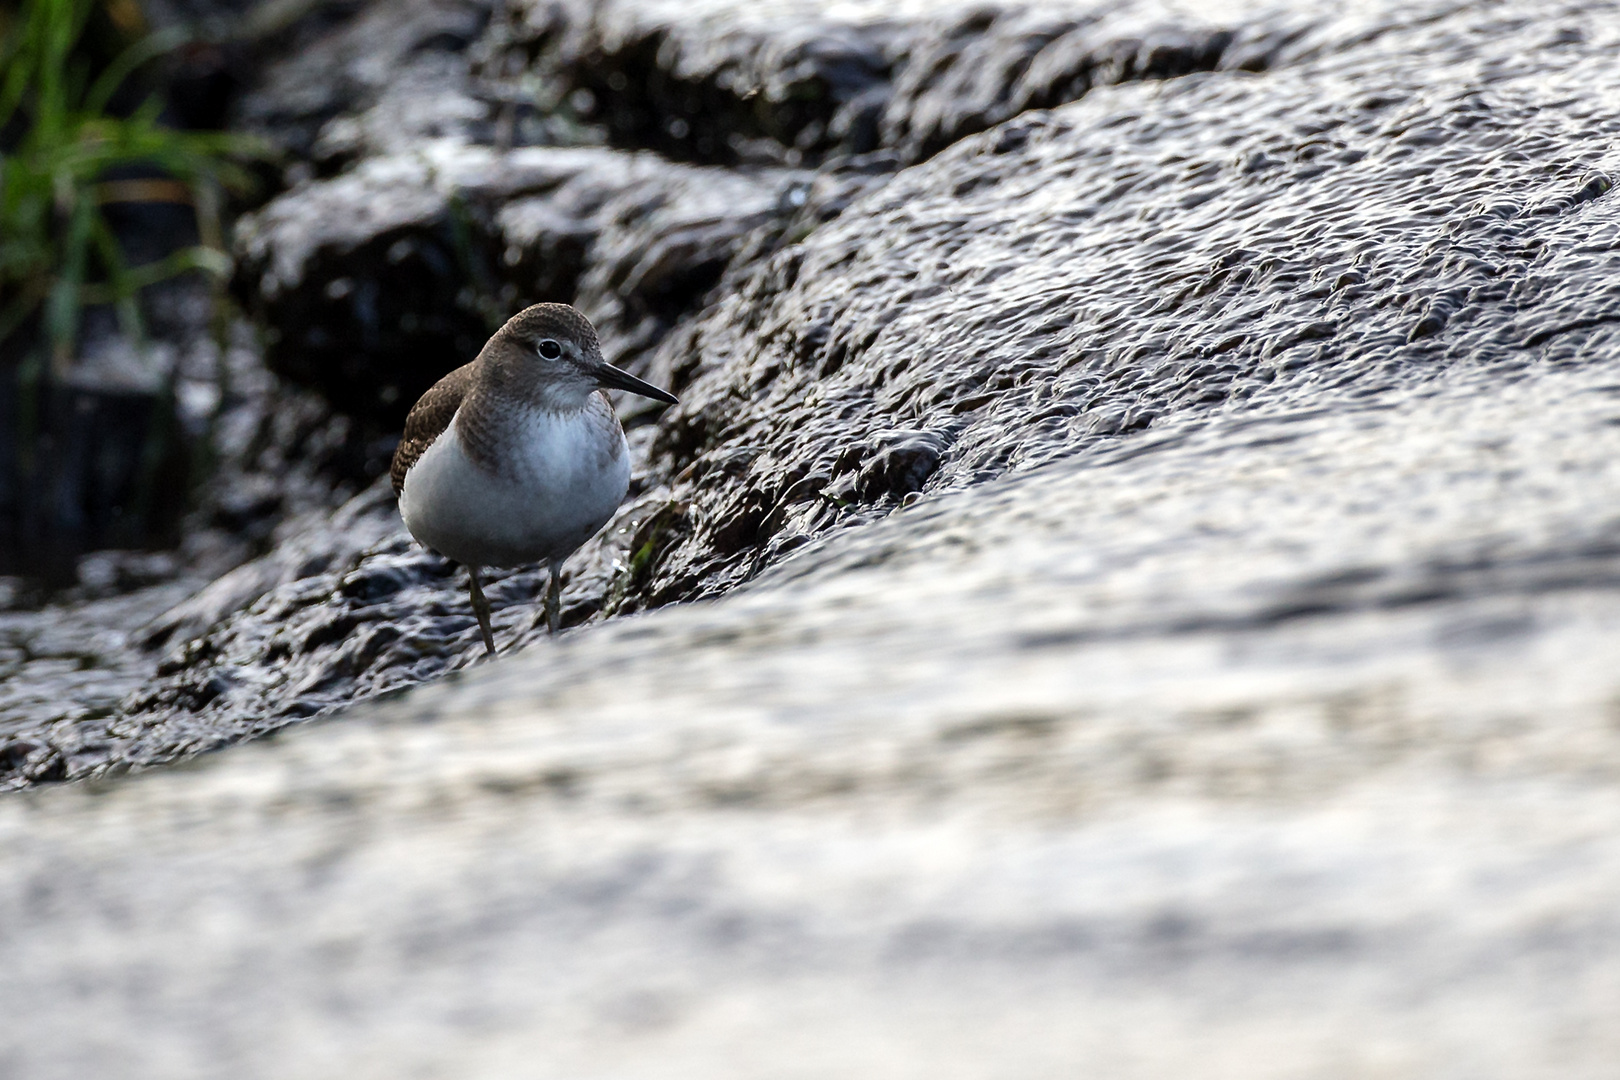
46, 734
1078, 278
1363, 222
73, 657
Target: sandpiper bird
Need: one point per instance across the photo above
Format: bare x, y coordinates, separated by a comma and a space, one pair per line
518, 456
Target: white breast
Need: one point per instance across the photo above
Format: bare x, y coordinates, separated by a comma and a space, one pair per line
559, 483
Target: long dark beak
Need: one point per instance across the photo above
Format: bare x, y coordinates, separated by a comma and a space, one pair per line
611, 377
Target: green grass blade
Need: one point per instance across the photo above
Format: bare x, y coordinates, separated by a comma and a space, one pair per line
62, 308
127, 63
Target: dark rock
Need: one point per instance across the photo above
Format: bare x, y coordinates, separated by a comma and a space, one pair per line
898, 463
66, 662
90, 458
716, 83
375, 281
310, 545
380, 281
633, 240
546, 238
973, 70
378, 83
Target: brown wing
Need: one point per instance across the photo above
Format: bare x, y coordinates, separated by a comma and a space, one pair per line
428, 419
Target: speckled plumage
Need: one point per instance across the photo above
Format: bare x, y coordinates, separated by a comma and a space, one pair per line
428, 418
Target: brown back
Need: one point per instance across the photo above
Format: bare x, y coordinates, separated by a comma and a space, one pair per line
428, 418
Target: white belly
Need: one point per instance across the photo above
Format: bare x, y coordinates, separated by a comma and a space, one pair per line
561, 486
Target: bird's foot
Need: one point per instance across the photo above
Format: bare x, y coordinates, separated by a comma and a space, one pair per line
554, 599
480, 608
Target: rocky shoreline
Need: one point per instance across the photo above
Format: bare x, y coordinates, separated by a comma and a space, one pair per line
850, 336
1133, 568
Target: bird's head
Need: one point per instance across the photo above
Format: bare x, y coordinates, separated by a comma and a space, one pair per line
550, 354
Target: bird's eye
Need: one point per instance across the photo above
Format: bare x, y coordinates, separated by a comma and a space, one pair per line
550, 349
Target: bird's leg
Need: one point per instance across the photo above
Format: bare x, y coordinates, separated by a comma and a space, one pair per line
554, 597
480, 608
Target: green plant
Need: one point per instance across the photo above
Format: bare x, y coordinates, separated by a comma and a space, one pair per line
57, 252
